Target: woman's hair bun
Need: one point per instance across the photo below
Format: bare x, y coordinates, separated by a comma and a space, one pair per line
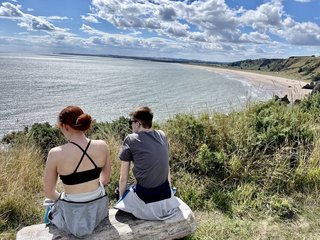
75, 118
83, 122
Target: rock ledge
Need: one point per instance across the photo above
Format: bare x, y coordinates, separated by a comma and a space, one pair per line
121, 225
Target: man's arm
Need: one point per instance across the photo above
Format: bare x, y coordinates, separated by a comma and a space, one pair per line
124, 176
169, 178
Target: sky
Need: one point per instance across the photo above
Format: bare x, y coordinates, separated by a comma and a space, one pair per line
209, 30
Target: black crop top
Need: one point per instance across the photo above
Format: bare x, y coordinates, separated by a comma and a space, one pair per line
82, 177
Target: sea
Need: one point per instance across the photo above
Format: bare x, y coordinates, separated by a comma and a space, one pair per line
34, 88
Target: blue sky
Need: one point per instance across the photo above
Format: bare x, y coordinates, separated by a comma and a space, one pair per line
214, 30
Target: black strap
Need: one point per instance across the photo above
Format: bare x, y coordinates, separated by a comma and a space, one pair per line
84, 153
106, 195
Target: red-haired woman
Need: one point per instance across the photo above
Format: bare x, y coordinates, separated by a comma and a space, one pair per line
83, 165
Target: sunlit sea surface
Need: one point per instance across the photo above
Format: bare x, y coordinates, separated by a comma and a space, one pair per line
34, 88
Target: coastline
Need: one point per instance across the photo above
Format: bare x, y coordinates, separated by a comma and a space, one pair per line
292, 88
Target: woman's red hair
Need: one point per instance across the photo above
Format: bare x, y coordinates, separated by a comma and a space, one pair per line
75, 118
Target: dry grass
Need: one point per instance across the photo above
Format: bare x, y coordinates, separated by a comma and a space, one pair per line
21, 188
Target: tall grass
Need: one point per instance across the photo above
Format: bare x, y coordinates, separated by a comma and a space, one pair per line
21, 187
256, 166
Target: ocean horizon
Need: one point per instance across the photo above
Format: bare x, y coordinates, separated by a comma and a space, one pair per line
36, 87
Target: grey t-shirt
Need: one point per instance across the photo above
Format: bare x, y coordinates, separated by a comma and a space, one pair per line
149, 153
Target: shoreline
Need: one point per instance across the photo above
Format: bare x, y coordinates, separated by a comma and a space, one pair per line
292, 88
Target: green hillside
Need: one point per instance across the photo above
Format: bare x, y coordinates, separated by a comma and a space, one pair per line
300, 68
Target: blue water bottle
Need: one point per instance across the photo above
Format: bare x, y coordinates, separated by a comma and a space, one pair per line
48, 203
174, 190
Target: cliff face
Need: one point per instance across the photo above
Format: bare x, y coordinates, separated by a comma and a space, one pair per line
302, 68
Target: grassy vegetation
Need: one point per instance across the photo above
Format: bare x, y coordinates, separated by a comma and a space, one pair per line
21, 187
300, 68
250, 174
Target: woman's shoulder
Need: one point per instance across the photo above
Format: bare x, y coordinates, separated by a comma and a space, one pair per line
56, 150
98, 142
99, 146
55, 153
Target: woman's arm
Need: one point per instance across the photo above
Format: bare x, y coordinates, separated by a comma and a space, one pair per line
106, 169
50, 177
124, 176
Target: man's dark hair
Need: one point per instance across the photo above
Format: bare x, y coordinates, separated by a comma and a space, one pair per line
144, 115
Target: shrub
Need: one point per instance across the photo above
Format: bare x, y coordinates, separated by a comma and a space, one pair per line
284, 207
193, 193
15, 212
316, 77
118, 128
46, 137
247, 197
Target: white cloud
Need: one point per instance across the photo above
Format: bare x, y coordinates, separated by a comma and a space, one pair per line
174, 29
303, 1
91, 30
265, 16
167, 13
211, 18
59, 18
255, 37
135, 33
306, 33
259, 50
100, 38
89, 18
28, 21
164, 17
208, 24
9, 10
199, 27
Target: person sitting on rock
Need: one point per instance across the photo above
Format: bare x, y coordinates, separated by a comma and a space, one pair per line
84, 168
151, 198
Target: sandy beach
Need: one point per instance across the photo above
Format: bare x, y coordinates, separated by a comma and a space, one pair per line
290, 87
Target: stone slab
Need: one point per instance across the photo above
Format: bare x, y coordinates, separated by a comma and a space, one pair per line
121, 225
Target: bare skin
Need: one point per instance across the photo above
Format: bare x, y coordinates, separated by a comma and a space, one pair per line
63, 160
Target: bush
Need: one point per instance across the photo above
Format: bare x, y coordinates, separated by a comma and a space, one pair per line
284, 207
193, 193
15, 212
46, 137
118, 128
316, 77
